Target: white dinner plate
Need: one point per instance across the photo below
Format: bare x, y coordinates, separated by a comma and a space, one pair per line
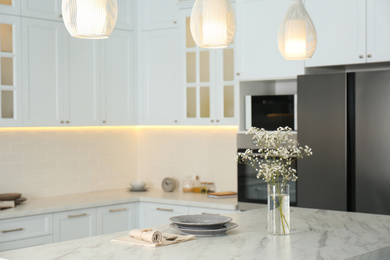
200, 221
206, 232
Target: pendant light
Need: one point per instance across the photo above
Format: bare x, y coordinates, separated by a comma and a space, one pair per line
213, 23
297, 34
91, 19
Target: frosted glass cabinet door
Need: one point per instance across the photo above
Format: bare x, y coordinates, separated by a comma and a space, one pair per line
42, 43
257, 52
44, 9
341, 32
10, 71
10, 7
117, 79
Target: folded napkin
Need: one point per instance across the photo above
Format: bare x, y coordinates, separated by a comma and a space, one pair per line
147, 237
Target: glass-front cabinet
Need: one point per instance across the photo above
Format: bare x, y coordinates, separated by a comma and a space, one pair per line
208, 81
10, 7
10, 81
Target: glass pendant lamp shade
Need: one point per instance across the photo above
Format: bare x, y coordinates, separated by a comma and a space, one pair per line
297, 35
91, 19
213, 23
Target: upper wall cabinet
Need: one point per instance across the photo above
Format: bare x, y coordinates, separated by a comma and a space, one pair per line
43, 9
126, 13
158, 14
10, 7
257, 55
355, 34
10, 71
118, 95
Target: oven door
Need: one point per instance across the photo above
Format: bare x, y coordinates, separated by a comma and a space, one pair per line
252, 192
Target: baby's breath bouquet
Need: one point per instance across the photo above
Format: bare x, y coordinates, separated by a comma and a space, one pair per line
272, 162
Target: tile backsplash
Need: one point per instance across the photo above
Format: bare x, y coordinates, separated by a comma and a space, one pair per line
42, 162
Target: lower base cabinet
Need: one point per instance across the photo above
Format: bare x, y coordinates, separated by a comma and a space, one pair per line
75, 224
156, 214
116, 218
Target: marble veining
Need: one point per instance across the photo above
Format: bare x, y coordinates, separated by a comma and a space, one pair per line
315, 234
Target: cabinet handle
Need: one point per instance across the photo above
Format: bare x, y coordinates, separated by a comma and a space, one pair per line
212, 121
238, 73
104, 121
117, 210
369, 55
67, 122
361, 56
11, 230
175, 121
61, 122
164, 209
205, 213
217, 121
60, 16
174, 22
76, 216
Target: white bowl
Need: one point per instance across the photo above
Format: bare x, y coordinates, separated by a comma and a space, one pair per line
138, 185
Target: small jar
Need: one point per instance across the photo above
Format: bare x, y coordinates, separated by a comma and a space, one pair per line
188, 185
211, 187
196, 188
204, 187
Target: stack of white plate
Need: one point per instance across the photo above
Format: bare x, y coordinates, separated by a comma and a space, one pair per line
202, 225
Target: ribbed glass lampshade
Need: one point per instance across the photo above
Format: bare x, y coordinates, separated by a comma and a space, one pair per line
213, 23
91, 19
297, 34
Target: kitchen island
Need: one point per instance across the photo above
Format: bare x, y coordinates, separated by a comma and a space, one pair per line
315, 234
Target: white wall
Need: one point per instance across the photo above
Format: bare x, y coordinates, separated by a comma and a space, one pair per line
41, 162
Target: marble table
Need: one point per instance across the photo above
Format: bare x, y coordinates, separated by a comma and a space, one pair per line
315, 234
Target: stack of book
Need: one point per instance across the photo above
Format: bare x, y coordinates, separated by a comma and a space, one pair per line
222, 194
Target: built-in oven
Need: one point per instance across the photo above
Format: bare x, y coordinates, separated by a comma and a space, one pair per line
252, 192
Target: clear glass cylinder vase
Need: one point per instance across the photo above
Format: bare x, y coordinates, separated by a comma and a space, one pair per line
278, 209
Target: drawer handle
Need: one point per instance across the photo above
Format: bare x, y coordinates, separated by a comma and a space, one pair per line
11, 230
205, 213
117, 210
164, 209
76, 216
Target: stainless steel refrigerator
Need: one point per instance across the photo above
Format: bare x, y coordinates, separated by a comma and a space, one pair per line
345, 118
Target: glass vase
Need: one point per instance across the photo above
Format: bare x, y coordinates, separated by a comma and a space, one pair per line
278, 209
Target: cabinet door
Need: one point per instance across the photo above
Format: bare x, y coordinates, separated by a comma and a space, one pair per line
118, 90
42, 45
125, 14
153, 214
117, 218
74, 224
44, 9
258, 55
341, 33
160, 76
10, 71
81, 92
158, 14
378, 35
10, 7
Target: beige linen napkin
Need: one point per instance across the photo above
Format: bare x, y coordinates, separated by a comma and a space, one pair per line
151, 238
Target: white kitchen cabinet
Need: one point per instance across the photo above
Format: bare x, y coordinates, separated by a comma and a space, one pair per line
10, 7
43, 9
198, 210
355, 34
10, 71
257, 55
75, 224
81, 82
118, 93
126, 14
208, 87
116, 218
159, 14
43, 79
25, 231
155, 214
160, 77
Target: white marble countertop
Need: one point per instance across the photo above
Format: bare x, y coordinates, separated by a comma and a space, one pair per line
111, 197
315, 234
